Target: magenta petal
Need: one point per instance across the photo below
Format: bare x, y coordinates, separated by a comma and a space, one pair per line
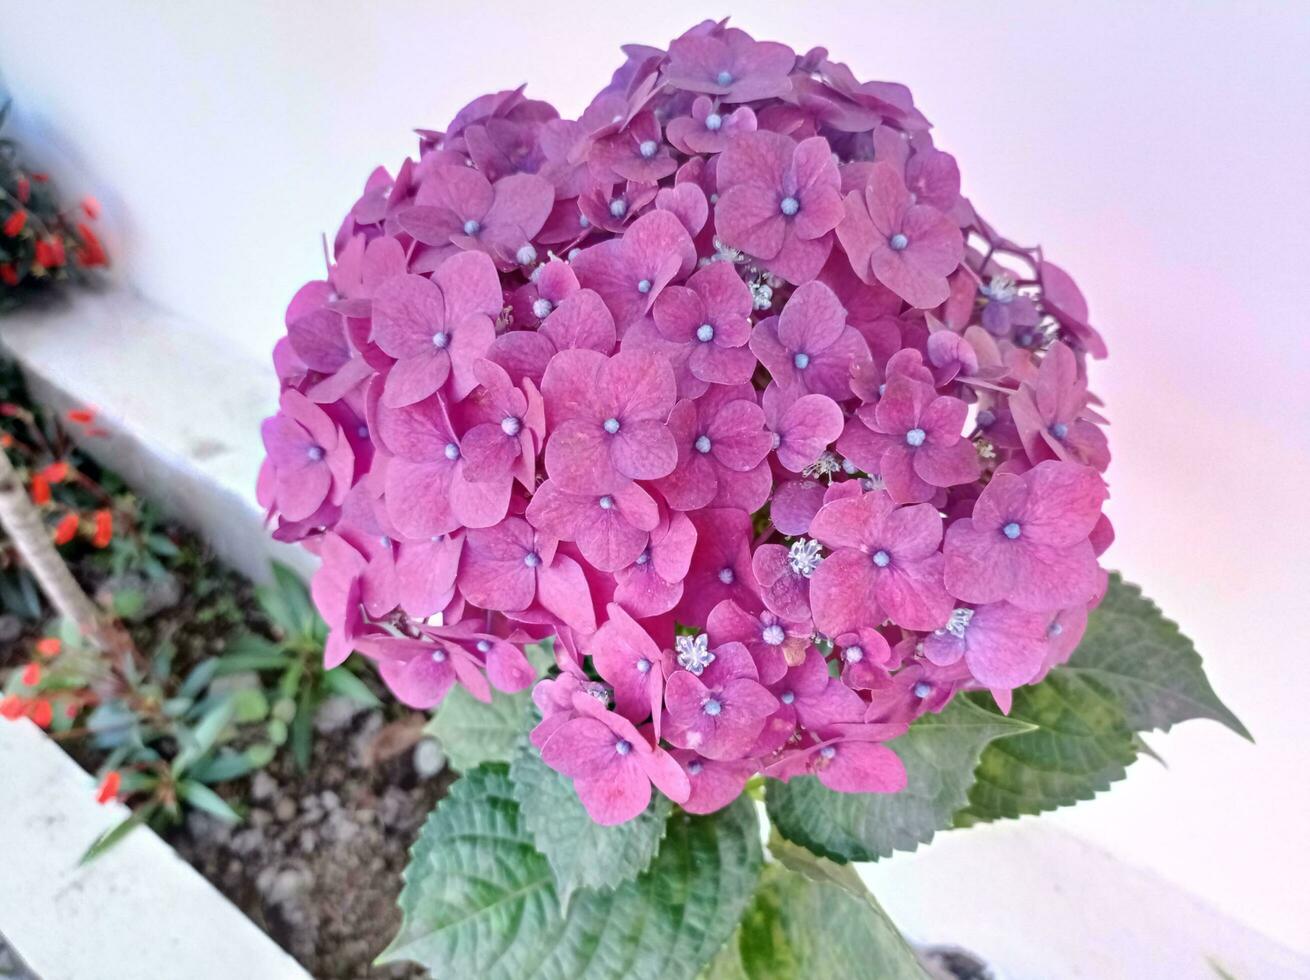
842, 593
562, 589
862, 767
644, 450
912, 593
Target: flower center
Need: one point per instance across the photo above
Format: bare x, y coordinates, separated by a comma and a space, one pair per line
647, 149
315, 453
724, 77
703, 444
471, 227
526, 254
881, 558
618, 207
712, 707
922, 689
713, 121
623, 746
451, 451
986, 417
606, 502
899, 242
958, 623
1012, 530
828, 751
611, 425
441, 340
727, 576
694, 767
532, 559
643, 666
773, 635
705, 333
644, 557
438, 656
789, 206
804, 556
852, 655
802, 361
694, 652
787, 697
915, 437
541, 308
510, 425
643, 286
1055, 629
483, 646
1059, 430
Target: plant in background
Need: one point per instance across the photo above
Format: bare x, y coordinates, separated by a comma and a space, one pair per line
727, 391
293, 657
40, 241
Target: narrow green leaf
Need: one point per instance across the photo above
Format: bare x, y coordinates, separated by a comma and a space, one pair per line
251, 652
479, 901
202, 797
471, 732
343, 682
116, 833
939, 753
813, 919
1154, 671
302, 728
581, 852
199, 678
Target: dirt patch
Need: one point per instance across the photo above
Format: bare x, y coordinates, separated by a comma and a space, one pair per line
318, 862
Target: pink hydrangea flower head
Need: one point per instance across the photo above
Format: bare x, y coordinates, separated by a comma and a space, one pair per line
779, 201
704, 388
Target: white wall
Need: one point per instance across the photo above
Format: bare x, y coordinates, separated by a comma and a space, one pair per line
1160, 153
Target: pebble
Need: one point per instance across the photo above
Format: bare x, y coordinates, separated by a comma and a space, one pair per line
428, 758
285, 809
262, 786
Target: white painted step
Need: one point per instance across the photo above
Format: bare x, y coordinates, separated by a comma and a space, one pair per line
139, 912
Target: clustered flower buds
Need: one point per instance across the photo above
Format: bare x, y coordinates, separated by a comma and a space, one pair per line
725, 386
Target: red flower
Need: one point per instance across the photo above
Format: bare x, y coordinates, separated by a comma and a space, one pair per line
49, 646
40, 490
8, 274
104, 529
56, 472
12, 707
91, 206
41, 713
82, 416
31, 675
50, 252
24, 189
15, 223
90, 252
66, 529
109, 787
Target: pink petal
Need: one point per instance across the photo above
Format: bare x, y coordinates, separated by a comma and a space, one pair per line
842, 593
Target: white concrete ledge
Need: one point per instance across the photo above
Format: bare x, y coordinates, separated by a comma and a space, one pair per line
139, 912
1039, 903
182, 410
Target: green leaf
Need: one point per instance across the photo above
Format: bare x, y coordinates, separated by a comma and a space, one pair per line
342, 682
286, 602
202, 797
1082, 743
116, 833
199, 678
222, 766
581, 852
198, 741
479, 901
1153, 670
472, 732
251, 652
939, 752
813, 919
302, 728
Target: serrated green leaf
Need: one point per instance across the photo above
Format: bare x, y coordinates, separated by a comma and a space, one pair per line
1154, 671
479, 901
581, 852
813, 919
939, 753
1080, 746
472, 732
